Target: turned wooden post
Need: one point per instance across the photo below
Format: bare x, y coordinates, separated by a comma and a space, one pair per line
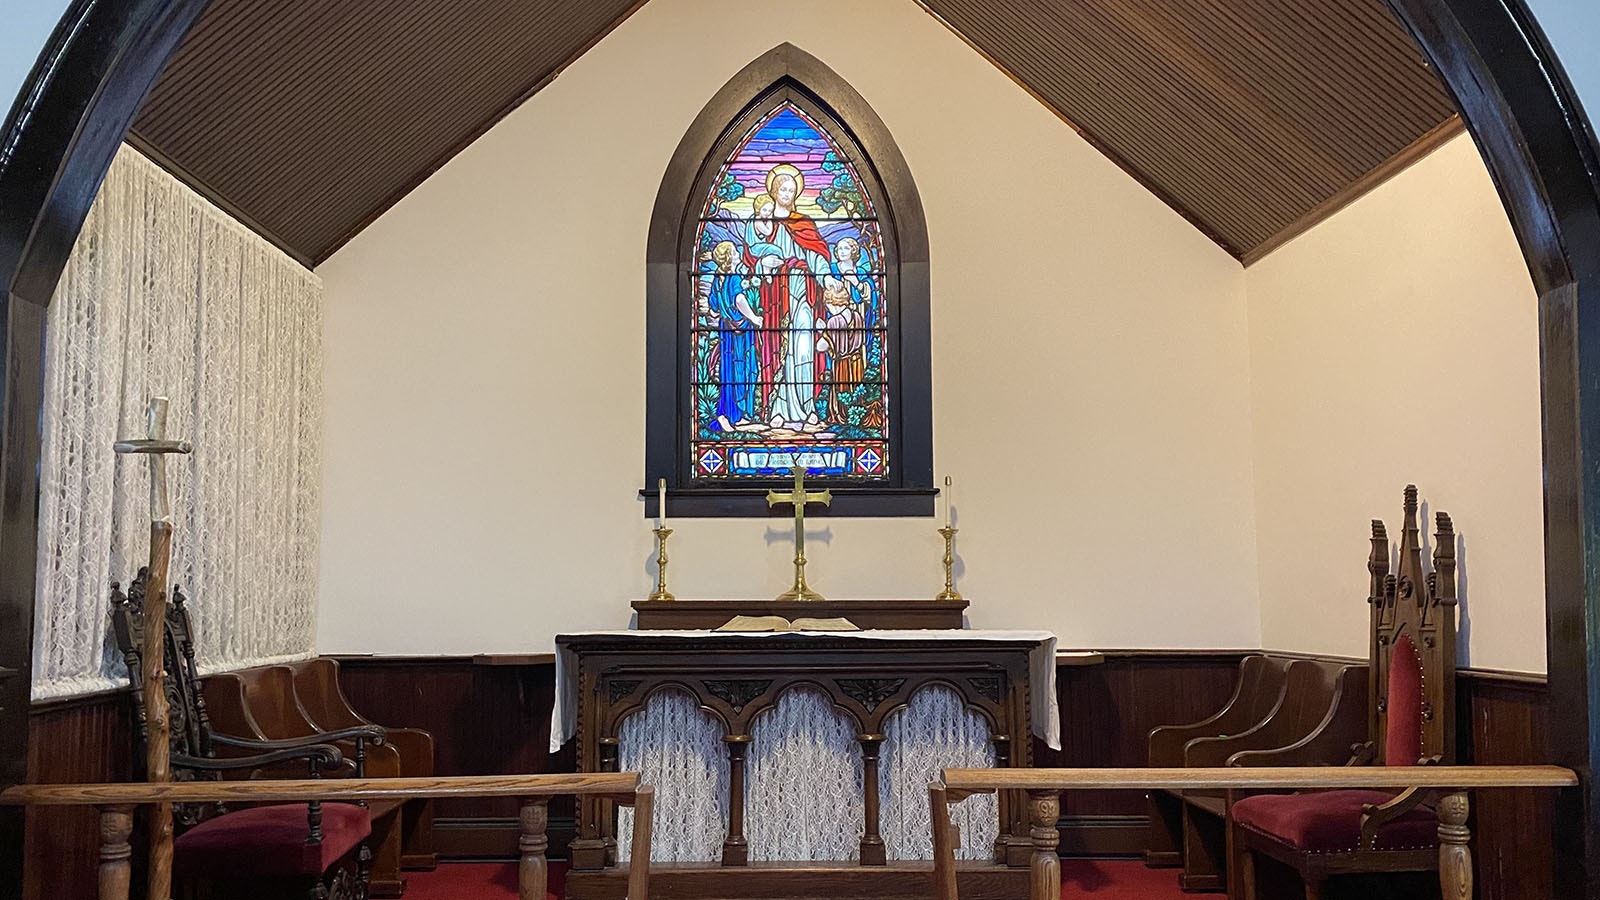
116, 854
873, 851
1012, 825
610, 761
1044, 808
944, 842
1455, 857
735, 852
533, 872
644, 804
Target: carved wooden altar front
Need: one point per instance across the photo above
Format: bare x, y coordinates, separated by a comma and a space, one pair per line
737, 678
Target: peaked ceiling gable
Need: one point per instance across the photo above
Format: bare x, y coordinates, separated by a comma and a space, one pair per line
308, 120
1253, 119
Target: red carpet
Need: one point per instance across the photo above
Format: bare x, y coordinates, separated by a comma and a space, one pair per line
1112, 879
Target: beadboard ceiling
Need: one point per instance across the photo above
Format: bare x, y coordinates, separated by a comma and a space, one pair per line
1253, 119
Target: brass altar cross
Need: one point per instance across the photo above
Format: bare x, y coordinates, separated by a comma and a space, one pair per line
799, 497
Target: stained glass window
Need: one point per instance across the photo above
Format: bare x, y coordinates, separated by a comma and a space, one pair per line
789, 327
786, 289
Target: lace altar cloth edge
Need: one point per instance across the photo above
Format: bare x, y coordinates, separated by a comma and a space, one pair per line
1045, 716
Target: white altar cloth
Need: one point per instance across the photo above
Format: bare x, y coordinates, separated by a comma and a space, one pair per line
1044, 714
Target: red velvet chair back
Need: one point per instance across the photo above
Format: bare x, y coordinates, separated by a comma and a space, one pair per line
1402, 744
1413, 643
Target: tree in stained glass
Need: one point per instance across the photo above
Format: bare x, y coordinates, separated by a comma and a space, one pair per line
789, 323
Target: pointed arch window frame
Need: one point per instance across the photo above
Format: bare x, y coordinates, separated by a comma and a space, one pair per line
787, 74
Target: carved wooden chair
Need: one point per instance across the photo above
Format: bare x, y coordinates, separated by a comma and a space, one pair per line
309, 849
1412, 722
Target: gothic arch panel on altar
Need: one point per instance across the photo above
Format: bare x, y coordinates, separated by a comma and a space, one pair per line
805, 774
787, 303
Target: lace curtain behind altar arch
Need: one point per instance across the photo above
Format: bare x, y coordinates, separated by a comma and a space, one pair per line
937, 731
803, 795
165, 294
677, 746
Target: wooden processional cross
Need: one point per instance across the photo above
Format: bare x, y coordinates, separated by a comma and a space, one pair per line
158, 761
799, 497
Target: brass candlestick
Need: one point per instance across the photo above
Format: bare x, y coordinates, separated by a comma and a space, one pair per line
949, 592
661, 565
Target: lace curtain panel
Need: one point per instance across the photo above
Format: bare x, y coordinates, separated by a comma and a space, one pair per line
166, 295
803, 795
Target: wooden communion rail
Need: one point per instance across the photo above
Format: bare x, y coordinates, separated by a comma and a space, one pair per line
1044, 787
116, 803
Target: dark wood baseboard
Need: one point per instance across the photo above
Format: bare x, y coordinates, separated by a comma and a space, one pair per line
464, 838
1103, 836
801, 881
489, 838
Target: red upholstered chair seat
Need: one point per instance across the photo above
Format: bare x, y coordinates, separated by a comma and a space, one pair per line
1330, 821
269, 841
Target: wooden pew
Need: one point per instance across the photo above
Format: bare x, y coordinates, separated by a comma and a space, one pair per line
316, 684
1044, 786
117, 802
1258, 692
1305, 712
300, 699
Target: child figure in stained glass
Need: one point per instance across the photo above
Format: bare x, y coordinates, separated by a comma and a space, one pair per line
760, 252
737, 324
846, 263
842, 343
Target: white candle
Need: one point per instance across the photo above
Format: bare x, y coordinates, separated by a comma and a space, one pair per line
661, 505
949, 499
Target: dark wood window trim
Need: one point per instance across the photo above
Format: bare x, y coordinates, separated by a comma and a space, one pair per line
787, 73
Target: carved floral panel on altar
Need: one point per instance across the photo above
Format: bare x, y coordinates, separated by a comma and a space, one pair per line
789, 323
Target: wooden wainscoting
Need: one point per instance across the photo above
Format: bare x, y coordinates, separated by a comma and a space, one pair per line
81, 739
1502, 719
491, 716
1107, 712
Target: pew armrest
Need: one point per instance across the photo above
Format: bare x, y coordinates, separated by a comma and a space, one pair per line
1339, 739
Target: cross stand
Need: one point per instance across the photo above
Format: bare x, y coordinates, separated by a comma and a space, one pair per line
157, 746
799, 497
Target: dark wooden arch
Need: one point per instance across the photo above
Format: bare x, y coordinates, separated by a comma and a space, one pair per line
58, 142
786, 70
1519, 107
1540, 149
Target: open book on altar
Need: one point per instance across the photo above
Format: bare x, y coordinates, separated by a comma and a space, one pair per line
779, 623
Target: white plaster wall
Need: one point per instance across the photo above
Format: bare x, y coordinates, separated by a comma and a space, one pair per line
485, 367
1397, 342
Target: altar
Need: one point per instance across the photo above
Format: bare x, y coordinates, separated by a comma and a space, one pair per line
804, 748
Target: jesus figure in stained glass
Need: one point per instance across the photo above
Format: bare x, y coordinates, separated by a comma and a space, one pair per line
801, 252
